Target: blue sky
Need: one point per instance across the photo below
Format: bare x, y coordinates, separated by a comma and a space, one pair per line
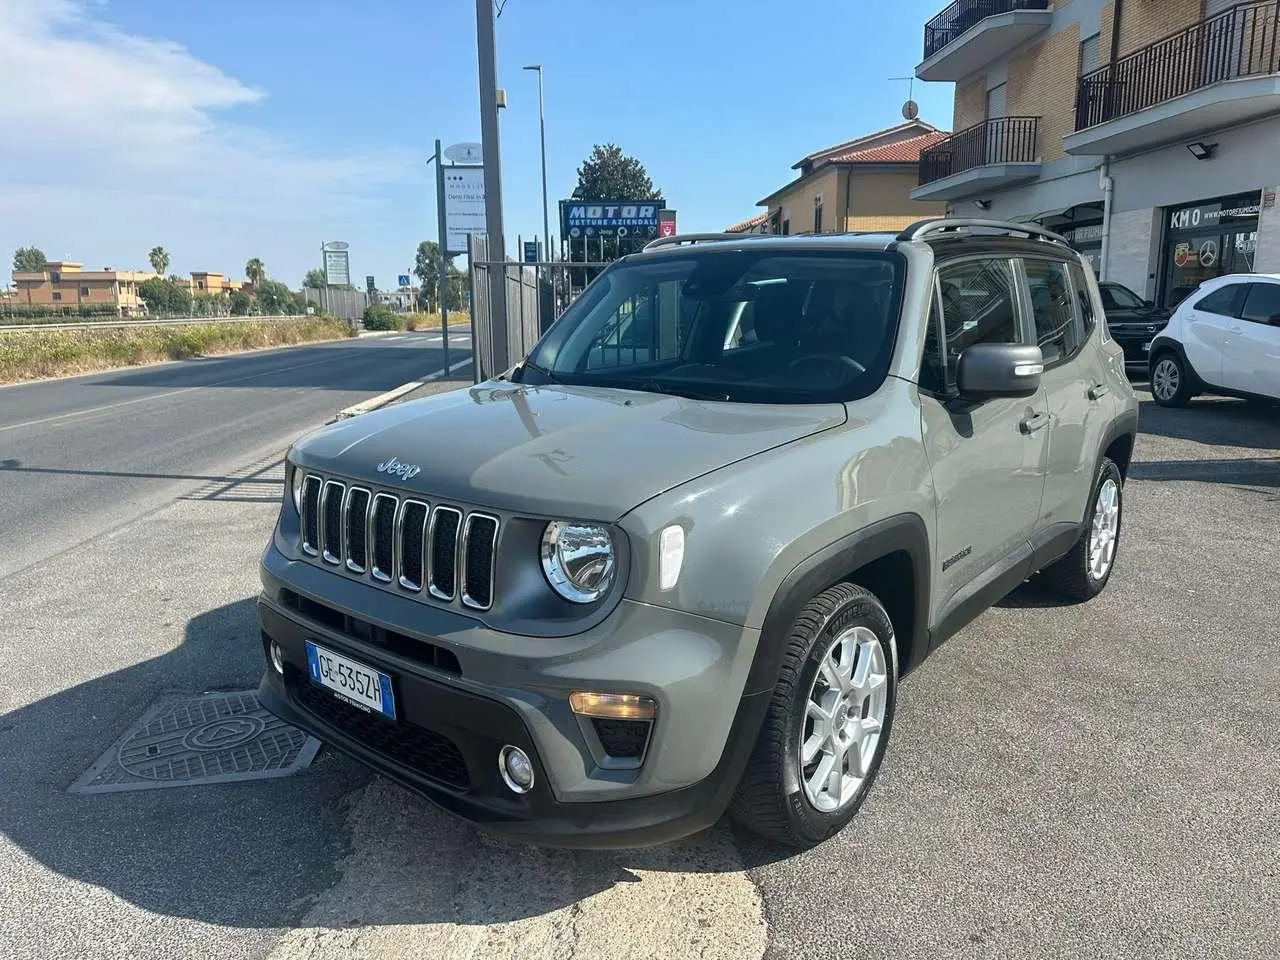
226, 129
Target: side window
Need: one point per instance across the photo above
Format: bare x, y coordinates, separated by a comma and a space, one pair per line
1057, 332
1263, 304
1226, 301
933, 371
978, 306
1081, 286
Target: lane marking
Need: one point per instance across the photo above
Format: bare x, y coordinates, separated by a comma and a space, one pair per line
401, 337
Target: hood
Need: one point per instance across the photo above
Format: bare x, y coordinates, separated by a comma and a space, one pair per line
582, 452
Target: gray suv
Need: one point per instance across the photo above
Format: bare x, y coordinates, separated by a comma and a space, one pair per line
677, 560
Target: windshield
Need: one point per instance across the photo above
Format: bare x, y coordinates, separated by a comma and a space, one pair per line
1120, 298
747, 326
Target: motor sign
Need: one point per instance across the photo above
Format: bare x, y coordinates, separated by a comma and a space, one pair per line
613, 218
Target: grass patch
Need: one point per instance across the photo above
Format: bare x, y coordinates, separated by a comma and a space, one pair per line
59, 353
431, 321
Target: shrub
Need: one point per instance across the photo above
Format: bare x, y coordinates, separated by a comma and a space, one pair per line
380, 317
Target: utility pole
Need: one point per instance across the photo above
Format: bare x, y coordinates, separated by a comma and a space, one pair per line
444, 261
542, 125
496, 245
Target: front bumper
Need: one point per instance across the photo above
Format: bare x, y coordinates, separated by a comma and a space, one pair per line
451, 726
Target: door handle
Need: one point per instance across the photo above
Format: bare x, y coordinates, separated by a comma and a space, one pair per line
1032, 424
1098, 391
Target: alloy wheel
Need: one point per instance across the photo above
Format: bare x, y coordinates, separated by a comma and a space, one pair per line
1165, 379
844, 719
1105, 531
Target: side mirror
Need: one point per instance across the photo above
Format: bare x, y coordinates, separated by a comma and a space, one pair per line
988, 370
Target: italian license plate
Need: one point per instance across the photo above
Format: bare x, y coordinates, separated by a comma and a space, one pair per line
363, 686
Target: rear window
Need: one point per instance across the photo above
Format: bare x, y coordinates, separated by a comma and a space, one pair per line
750, 326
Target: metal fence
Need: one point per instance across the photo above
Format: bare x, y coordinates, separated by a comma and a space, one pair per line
535, 295
348, 304
1242, 42
963, 15
1004, 140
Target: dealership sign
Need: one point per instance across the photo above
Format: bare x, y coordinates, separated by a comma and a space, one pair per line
1228, 210
463, 206
620, 218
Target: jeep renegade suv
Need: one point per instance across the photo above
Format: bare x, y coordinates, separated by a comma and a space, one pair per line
676, 561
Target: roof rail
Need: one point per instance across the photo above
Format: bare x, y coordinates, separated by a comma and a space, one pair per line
700, 238
922, 228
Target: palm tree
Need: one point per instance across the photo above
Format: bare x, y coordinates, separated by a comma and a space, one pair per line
159, 258
254, 270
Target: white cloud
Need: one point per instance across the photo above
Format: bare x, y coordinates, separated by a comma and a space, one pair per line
114, 142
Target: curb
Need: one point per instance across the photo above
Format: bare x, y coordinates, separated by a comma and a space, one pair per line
383, 399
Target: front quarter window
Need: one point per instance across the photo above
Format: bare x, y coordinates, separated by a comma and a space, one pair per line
740, 325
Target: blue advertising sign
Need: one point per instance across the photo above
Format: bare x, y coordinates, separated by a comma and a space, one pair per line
403, 279
620, 218
531, 251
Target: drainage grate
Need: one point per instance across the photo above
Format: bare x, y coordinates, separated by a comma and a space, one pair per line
189, 741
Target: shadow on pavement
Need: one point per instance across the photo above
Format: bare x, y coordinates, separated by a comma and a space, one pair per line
265, 853
336, 365
1216, 421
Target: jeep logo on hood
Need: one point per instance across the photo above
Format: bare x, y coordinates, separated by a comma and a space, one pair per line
405, 471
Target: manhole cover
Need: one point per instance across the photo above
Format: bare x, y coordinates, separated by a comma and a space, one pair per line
187, 741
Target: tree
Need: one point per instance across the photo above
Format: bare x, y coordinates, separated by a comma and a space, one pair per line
164, 297
274, 297
255, 271
159, 258
314, 279
427, 269
241, 303
609, 174
29, 260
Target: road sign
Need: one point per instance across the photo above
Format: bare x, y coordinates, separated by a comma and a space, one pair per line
463, 206
465, 153
531, 251
337, 267
403, 280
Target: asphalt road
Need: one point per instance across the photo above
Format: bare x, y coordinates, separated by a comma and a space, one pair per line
82, 455
1095, 780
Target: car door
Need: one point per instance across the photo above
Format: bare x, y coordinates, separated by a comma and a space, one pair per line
1251, 347
1075, 384
1204, 328
987, 459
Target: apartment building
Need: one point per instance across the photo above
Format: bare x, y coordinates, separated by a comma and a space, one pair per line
861, 184
1145, 131
204, 284
66, 284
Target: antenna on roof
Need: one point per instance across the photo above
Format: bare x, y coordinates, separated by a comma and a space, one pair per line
910, 109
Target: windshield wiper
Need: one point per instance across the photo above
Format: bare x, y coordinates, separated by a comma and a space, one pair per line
530, 365
653, 385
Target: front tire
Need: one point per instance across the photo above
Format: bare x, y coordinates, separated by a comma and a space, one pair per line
1170, 380
828, 722
1084, 572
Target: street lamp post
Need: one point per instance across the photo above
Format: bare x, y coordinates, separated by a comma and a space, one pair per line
542, 124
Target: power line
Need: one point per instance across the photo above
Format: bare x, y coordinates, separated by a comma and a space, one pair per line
500, 5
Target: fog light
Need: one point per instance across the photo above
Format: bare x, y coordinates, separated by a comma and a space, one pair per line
516, 769
277, 658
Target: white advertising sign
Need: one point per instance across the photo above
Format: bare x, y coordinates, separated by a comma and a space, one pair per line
463, 206
337, 268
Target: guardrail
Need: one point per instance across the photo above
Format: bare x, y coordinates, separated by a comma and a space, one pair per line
148, 322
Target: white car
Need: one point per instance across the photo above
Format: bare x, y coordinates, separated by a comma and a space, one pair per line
1224, 339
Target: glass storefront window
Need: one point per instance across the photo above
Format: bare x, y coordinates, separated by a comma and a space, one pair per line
1206, 240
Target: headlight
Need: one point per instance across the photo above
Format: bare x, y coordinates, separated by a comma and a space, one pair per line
578, 560
296, 483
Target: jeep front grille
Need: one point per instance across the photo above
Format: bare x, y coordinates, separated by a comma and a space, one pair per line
442, 550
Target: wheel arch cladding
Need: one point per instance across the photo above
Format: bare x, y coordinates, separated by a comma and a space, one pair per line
889, 557
1162, 345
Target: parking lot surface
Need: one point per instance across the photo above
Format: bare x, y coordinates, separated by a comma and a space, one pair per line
1094, 780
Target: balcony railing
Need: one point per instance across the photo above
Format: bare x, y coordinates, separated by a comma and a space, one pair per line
962, 15
1006, 140
1242, 42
